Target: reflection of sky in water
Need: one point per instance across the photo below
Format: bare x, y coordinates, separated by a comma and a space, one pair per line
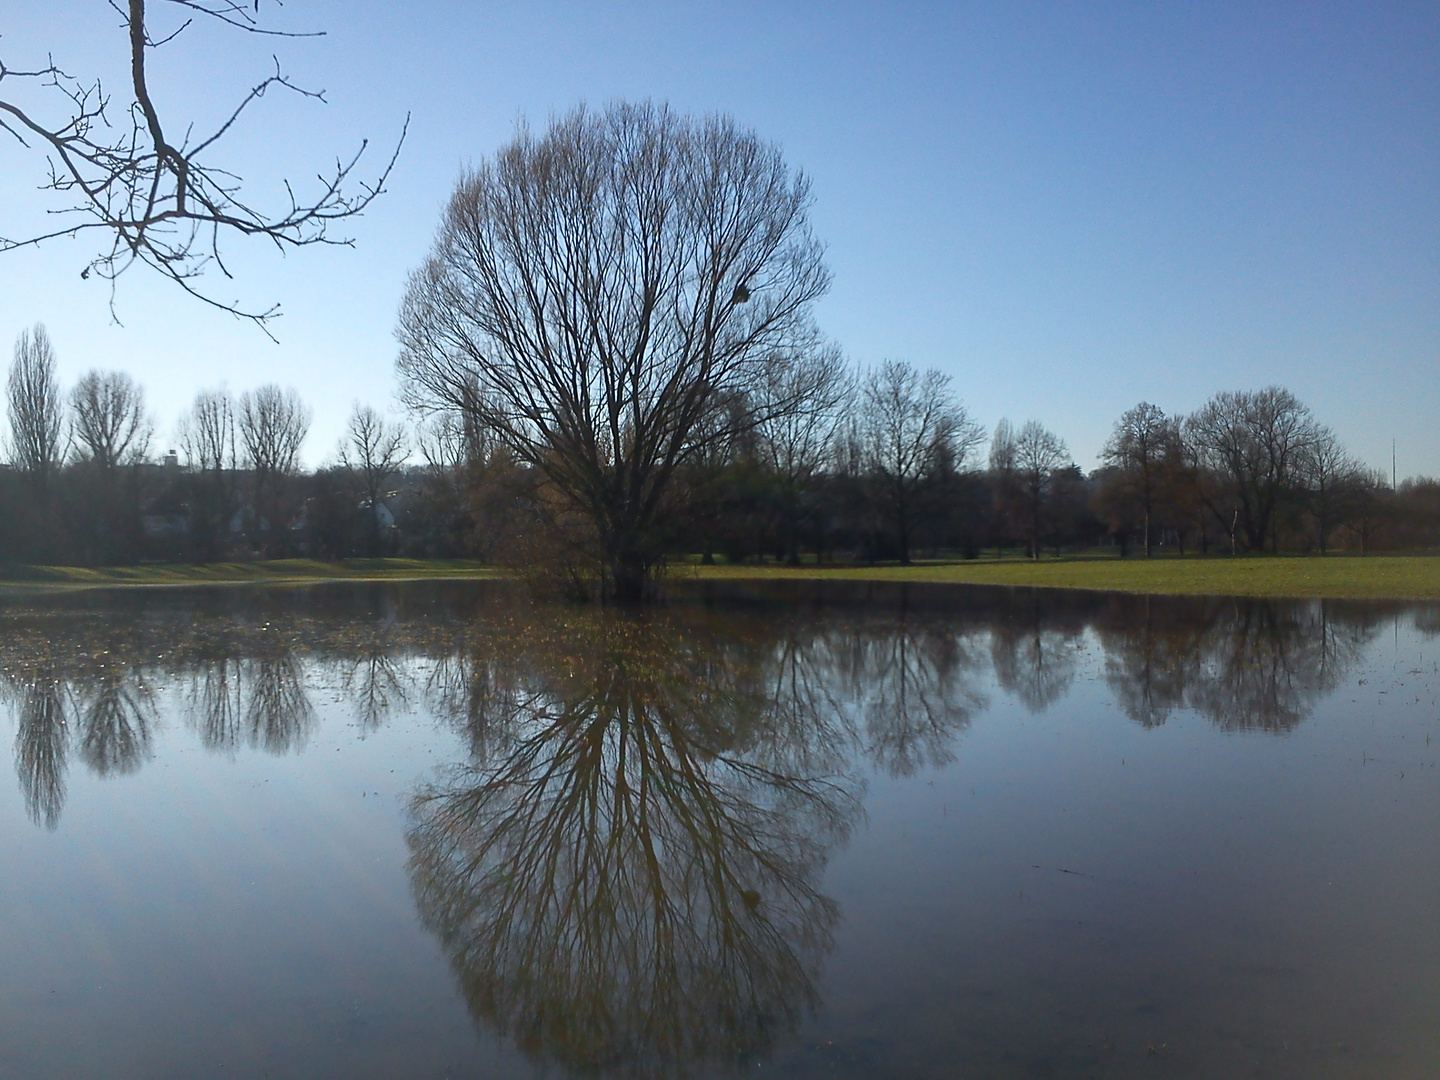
431, 831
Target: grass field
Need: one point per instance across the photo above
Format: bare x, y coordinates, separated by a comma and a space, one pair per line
1401, 577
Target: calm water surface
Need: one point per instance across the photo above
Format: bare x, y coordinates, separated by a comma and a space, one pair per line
442, 831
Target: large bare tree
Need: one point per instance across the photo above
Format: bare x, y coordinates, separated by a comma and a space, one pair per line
207, 432
36, 410
597, 294
911, 426
1143, 442
1251, 446
273, 423
155, 197
108, 423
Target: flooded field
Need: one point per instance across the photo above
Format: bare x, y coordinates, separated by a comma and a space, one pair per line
438, 830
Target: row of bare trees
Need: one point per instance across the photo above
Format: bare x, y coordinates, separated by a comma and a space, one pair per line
879, 463
83, 485
1255, 470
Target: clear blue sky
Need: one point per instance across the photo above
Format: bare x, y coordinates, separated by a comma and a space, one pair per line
1068, 207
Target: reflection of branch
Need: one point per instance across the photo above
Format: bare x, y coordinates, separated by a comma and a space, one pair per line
158, 202
278, 713
116, 722
619, 893
377, 683
215, 702
41, 743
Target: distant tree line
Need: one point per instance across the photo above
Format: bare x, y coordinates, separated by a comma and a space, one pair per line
882, 464
85, 485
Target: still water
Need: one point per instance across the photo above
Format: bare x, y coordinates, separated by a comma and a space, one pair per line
439, 830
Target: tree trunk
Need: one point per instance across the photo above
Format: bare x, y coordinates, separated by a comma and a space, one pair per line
628, 580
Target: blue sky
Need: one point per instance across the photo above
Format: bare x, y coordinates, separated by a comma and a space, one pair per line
1067, 207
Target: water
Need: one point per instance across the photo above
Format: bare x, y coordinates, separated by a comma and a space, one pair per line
433, 830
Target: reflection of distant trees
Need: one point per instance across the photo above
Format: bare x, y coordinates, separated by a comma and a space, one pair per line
892, 683
42, 740
1034, 659
278, 716
1246, 665
377, 683
1427, 619
909, 683
90, 690
258, 701
117, 719
626, 878
103, 706
216, 701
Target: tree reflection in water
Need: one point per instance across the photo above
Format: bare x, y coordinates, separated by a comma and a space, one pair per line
93, 696
1245, 665
42, 739
627, 878
809, 687
1035, 653
118, 719
906, 686
260, 700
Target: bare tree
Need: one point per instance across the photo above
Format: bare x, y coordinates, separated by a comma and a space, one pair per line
207, 438
207, 433
450, 442
910, 427
272, 424
801, 413
35, 408
107, 419
1039, 454
1139, 447
597, 294
159, 201
1252, 444
372, 453
1327, 472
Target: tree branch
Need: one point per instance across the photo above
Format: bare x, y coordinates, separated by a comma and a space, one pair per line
164, 205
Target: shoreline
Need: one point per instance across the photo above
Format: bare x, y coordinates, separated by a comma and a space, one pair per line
1371, 577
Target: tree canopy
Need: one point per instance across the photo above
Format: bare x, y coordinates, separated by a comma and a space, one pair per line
603, 298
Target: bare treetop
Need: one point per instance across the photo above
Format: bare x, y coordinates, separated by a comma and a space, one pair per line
273, 423
207, 432
107, 418
156, 198
36, 415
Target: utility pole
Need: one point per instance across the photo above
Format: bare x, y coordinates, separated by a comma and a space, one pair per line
1393, 485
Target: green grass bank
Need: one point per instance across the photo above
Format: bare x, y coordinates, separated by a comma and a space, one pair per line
1390, 577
